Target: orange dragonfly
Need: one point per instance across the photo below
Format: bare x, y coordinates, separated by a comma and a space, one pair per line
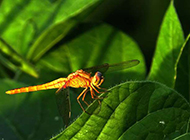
80, 79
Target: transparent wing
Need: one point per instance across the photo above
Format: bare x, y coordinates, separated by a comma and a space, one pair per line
122, 65
102, 68
113, 67
64, 105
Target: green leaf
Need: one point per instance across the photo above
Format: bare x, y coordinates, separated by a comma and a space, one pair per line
28, 31
133, 110
14, 61
168, 49
92, 46
98, 45
49, 23
55, 33
49, 38
182, 84
183, 137
27, 115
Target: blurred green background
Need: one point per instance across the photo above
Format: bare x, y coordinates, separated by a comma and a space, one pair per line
50, 39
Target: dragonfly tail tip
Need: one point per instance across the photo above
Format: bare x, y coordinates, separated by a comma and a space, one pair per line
8, 92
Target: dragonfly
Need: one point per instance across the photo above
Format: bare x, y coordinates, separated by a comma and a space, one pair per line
80, 79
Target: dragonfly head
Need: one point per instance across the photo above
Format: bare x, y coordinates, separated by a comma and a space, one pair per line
97, 79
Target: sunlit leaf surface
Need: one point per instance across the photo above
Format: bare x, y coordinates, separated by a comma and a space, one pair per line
133, 110
168, 49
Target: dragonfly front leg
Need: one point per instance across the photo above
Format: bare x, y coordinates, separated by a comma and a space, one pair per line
102, 80
94, 96
98, 86
93, 88
105, 90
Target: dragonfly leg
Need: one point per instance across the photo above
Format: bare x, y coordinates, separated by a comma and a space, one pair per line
94, 96
92, 92
98, 92
101, 88
100, 104
98, 86
83, 92
63, 86
95, 89
102, 80
104, 89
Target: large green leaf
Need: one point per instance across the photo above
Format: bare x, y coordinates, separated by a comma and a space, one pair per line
93, 47
98, 45
22, 22
182, 84
168, 49
133, 110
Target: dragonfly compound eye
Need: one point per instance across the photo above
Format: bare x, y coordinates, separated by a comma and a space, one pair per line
97, 78
99, 74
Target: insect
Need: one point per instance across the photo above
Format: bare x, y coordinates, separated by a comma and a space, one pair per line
79, 79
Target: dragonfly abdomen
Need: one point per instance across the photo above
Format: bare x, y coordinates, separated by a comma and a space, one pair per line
24, 89
51, 85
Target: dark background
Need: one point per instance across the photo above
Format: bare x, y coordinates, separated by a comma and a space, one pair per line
141, 19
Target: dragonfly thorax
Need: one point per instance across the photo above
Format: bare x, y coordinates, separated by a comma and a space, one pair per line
97, 79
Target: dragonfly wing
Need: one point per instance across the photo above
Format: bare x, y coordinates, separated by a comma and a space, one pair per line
113, 67
64, 105
122, 65
101, 68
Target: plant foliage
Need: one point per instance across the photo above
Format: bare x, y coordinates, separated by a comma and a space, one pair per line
44, 40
